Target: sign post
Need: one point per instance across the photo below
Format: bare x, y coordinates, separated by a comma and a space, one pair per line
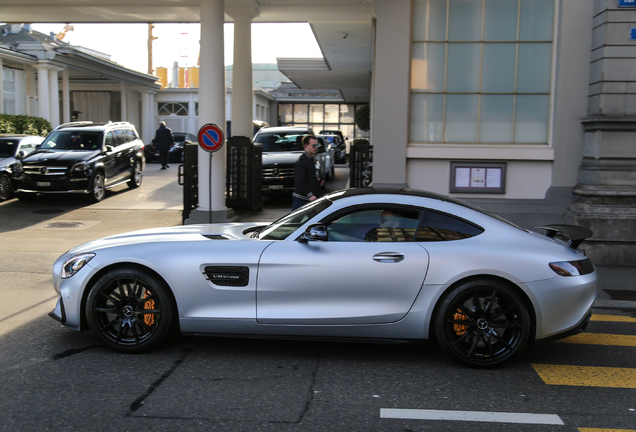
211, 139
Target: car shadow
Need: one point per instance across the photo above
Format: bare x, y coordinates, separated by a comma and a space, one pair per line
18, 214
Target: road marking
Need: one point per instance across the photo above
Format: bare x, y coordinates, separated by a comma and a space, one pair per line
612, 318
586, 376
478, 416
605, 430
601, 339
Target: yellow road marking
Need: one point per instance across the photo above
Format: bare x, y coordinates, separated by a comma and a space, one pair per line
605, 430
601, 339
586, 376
612, 318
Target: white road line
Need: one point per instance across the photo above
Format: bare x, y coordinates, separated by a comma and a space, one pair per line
478, 416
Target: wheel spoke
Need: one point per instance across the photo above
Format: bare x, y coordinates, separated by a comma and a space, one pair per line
501, 340
112, 309
472, 348
464, 309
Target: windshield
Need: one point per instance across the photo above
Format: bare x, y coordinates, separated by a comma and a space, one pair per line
73, 140
283, 227
8, 148
280, 142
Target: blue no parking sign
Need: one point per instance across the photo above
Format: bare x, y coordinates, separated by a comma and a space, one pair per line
211, 137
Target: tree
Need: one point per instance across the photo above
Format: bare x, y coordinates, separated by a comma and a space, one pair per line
362, 118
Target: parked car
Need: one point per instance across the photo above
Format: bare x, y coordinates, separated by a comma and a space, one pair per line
338, 141
282, 147
385, 264
84, 158
13, 147
327, 155
175, 153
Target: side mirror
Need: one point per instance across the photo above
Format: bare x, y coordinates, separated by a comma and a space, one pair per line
109, 148
315, 232
20, 155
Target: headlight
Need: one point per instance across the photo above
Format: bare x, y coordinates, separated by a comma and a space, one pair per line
75, 264
572, 268
80, 167
16, 167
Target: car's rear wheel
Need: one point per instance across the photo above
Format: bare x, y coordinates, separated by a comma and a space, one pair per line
5, 187
137, 175
482, 323
130, 310
98, 189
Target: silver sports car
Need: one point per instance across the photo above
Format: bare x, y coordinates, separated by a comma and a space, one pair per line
361, 263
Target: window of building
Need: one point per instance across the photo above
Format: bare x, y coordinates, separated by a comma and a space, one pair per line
172, 108
8, 77
321, 117
481, 71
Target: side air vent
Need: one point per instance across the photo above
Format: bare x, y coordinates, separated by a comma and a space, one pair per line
233, 276
215, 237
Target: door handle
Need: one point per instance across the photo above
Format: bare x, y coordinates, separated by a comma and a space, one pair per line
388, 257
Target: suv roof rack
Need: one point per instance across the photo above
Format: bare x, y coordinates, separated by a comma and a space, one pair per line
77, 123
90, 123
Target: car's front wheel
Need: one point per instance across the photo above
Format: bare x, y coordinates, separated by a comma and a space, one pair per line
98, 188
482, 323
130, 310
137, 175
6, 190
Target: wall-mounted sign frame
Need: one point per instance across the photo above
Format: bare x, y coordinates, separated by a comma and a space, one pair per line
626, 3
478, 177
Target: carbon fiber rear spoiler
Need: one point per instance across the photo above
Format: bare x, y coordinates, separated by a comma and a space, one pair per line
574, 234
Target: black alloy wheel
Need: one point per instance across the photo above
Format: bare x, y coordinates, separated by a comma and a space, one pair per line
482, 323
6, 190
130, 310
137, 175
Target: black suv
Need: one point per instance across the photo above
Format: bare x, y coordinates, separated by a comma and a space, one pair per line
84, 158
281, 149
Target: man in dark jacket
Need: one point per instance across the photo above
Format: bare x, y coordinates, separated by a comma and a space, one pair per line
305, 181
163, 141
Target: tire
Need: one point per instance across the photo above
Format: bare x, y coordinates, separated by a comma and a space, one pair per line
137, 175
98, 189
130, 310
482, 323
6, 190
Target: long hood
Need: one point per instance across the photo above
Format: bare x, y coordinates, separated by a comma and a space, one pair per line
213, 233
280, 158
60, 157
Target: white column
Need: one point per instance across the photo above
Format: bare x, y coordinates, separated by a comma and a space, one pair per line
66, 97
43, 91
146, 118
212, 110
2, 87
242, 82
54, 98
390, 94
124, 102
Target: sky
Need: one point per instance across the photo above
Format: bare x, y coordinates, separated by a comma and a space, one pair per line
127, 43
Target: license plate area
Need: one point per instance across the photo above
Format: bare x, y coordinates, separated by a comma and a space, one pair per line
275, 187
43, 184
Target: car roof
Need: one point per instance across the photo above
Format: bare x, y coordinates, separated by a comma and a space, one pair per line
89, 125
302, 129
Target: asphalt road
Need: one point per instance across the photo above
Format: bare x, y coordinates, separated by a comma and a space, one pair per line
54, 379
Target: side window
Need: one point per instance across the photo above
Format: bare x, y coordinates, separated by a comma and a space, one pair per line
120, 136
110, 139
130, 135
437, 226
377, 224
